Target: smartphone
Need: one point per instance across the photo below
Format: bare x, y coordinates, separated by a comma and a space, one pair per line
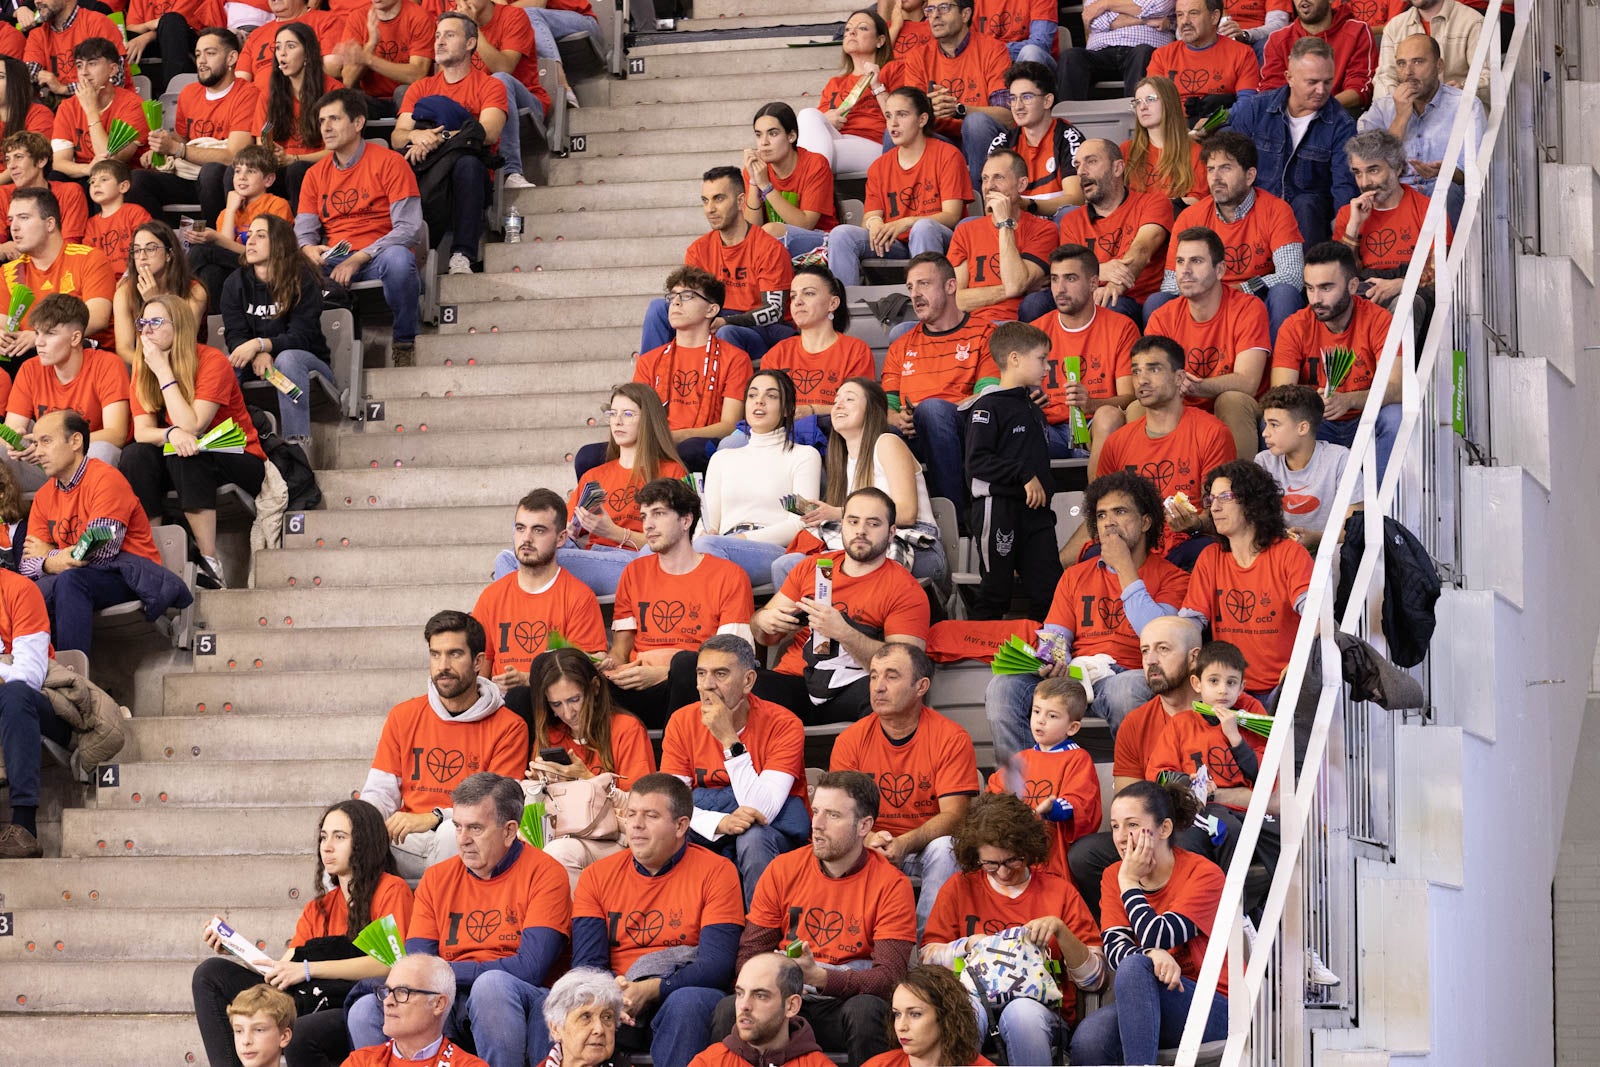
555, 755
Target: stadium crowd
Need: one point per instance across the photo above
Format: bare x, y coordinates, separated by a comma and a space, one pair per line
752, 562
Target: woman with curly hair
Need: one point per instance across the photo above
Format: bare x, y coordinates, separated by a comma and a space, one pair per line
356, 883
1159, 125
1250, 589
1002, 847
931, 1021
1156, 907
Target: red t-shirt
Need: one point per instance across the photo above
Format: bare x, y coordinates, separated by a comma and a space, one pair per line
694, 382
40, 119
1250, 14
1177, 462
680, 611
1227, 66
1007, 20
71, 124
1302, 340
329, 914
840, 919
478, 90
1111, 235
409, 33
214, 381
818, 375
1355, 54
111, 234
1043, 176
1194, 891
384, 1055
52, 49
100, 382
897, 192
621, 489
59, 517
78, 269
1137, 738
354, 203
1389, 236
1104, 350
758, 264
913, 774
22, 612
865, 117
1145, 176
718, 1054
887, 601
1255, 607
197, 13
1066, 774
482, 919
1088, 602
1191, 742
632, 756
977, 244
646, 914
1240, 324
510, 31
257, 57
923, 364
74, 211
1247, 243
201, 116
972, 75
898, 1058
809, 187
772, 735
519, 624
431, 757
912, 35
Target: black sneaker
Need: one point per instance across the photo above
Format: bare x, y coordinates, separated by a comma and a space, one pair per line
404, 354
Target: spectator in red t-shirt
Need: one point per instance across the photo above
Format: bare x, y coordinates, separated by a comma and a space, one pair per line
846, 127
506, 50
1355, 51
1161, 155
1000, 256
1210, 71
788, 189
385, 47
82, 128
168, 29
1383, 225
1048, 145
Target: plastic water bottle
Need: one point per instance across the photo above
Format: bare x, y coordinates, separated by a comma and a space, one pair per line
513, 226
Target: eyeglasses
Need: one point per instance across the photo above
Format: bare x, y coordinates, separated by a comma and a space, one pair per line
939, 9
619, 413
1148, 98
147, 250
1219, 498
150, 324
1013, 863
403, 994
1027, 98
683, 296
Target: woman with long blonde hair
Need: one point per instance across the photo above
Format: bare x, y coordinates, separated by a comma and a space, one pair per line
1160, 125
181, 391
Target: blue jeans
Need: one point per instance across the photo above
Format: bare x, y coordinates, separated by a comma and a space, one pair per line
755, 558
936, 864
1145, 1017
549, 24
798, 241
504, 1014
679, 1028
511, 136
294, 416
755, 340
937, 444
1023, 52
1009, 699
758, 846
1030, 1031
1281, 300
1058, 436
25, 717
1388, 425
599, 568
396, 268
73, 596
847, 247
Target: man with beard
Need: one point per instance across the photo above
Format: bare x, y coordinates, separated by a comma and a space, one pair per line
767, 1028
1355, 54
1168, 647
999, 256
1454, 29
1099, 608
1383, 224
1210, 71
1339, 318
841, 608
59, 27
847, 912
1127, 230
431, 743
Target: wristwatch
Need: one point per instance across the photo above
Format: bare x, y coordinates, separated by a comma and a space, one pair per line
961, 111
438, 813
1005, 224
736, 750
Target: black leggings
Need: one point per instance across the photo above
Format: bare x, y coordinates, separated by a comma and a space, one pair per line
196, 478
319, 1039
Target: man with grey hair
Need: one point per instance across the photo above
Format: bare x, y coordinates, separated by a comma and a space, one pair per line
499, 914
417, 999
767, 1025
744, 757
1384, 223
665, 918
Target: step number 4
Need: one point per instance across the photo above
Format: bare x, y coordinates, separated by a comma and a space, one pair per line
635, 64
109, 776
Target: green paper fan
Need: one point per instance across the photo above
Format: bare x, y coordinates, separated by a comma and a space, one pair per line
532, 825
1337, 363
21, 301
12, 437
1247, 720
119, 135
380, 939
1218, 119
225, 436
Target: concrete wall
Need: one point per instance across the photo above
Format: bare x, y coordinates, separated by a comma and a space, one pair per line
1577, 907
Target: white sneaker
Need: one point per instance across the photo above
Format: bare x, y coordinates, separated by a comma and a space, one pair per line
519, 181
215, 565
460, 264
572, 99
1317, 972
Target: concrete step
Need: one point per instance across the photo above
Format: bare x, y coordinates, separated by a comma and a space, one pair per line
662, 253
612, 196
573, 410
463, 486
357, 568
687, 221
304, 692
442, 451
351, 734
661, 62
559, 373
264, 783
723, 139
757, 14
638, 168
402, 526
773, 85
191, 832
501, 359
314, 609
57, 936
168, 1040
669, 112
59, 985
327, 649
177, 882
540, 284
517, 312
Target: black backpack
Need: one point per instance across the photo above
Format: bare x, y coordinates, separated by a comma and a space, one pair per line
291, 461
1410, 587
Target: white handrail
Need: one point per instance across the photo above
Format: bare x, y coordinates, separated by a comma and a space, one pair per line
1317, 622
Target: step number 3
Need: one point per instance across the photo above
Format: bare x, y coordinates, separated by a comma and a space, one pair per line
5, 924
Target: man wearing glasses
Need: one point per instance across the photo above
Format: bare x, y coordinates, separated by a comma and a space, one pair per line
1123, 35
48, 264
1048, 145
418, 1000
498, 915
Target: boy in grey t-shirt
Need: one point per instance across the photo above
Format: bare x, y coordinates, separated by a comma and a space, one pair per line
1307, 470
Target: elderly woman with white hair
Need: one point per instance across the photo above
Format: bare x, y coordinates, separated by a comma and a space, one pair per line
581, 1014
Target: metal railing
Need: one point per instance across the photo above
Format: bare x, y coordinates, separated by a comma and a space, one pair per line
1339, 793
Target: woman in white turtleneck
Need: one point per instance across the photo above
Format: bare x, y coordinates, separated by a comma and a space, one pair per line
743, 513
